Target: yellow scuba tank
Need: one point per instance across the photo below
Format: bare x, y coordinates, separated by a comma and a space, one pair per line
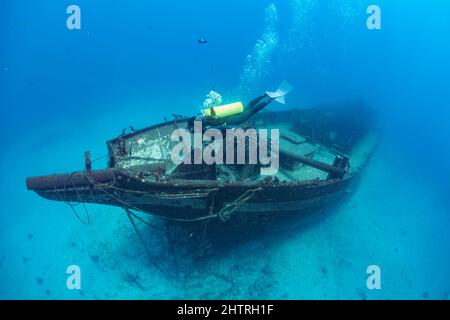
224, 111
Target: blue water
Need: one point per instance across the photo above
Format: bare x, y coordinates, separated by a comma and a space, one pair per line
133, 62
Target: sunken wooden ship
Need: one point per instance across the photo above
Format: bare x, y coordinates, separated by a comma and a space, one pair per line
322, 152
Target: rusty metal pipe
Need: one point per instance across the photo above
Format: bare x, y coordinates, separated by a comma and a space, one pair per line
315, 164
69, 180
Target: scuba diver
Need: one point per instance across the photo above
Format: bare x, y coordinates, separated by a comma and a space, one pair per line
235, 114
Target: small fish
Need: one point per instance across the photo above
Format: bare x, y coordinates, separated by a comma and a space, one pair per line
202, 41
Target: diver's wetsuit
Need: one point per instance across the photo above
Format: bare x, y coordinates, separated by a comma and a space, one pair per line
253, 107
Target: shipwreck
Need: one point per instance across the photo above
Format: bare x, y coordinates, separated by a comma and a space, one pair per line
322, 152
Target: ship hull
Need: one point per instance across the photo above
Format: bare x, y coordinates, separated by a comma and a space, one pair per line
323, 152
268, 204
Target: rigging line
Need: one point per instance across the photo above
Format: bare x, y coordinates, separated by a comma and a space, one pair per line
224, 213
163, 217
84, 206
129, 214
72, 206
160, 268
145, 222
99, 158
175, 256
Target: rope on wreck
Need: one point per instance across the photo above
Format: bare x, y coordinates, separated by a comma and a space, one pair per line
143, 221
73, 205
99, 158
224, 214
131, 215
127, 204
228, 209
